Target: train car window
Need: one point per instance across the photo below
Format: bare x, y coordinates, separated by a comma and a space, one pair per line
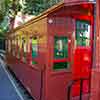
6, 45
60, 52
82, 33
28, 44
9, 45
13, 47
24, 48
60, 48
18, 49
34, 47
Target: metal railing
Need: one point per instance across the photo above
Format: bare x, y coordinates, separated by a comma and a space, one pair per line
81, 88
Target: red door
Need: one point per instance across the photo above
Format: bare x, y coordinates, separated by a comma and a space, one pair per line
82, 57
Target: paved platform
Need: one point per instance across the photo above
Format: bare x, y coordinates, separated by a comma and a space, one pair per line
8, 90
10, 87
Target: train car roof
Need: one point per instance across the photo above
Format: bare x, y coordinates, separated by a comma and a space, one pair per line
47, 12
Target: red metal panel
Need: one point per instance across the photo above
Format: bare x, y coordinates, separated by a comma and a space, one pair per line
82, 62
30, 77
56, 81
95, 81
73, 1
98, 35
81, 68
57, 85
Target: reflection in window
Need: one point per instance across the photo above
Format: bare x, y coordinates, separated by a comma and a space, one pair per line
18, 48
60, 48
83, 33
6, 45
60, 53
34, 47
9, 46
24, 48
13, 47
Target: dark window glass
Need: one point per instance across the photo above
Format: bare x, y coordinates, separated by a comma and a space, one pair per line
24, 49
34, 47
82, 33
61, 65
60, 47
60, 52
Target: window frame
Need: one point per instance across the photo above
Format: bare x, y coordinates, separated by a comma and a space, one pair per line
63, 60
78, 38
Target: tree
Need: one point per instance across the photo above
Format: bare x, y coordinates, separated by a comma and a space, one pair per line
1, 16
34, 7
31, 7
13, 7
9, 14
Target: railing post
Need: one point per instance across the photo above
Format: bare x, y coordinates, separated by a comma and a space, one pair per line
89, 88
69, 92
81, 88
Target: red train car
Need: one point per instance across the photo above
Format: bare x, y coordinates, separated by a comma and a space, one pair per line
95, 81
52, 54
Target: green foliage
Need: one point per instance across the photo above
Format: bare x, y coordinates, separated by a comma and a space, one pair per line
31, 7
4, 26
4, 19
1, 16
13, 7
34, 7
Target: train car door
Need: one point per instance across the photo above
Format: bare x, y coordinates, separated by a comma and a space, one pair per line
82, 56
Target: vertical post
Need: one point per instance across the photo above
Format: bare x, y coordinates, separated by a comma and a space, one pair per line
81, 88
42, 78
69, 92
89, 88
41, 85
